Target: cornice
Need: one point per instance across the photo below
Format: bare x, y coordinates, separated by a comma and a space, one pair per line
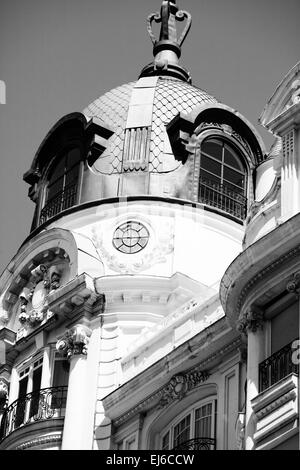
277, 251
165, 395
40, 441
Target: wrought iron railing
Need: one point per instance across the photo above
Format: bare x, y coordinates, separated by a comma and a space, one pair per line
63, 200
200, 443
276, 367
220, 196
44, 404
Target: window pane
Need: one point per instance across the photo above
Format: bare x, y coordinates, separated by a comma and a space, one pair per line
73, 157
234, 177
55, 189
35, 397
21, 405
209, 178
57, 170
182, 431
213, 148
210, 165
231, 158
72, 175
203, 419
61, 373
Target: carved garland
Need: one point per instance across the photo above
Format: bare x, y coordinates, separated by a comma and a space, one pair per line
179, 385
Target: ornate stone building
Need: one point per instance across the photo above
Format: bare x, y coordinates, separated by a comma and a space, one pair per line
155, 303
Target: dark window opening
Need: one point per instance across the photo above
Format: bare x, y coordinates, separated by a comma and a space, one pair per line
62, 187
223, 178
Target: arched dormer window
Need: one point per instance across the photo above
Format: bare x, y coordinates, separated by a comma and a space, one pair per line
62, 182
223, 177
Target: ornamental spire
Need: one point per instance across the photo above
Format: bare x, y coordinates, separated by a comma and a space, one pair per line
167, 49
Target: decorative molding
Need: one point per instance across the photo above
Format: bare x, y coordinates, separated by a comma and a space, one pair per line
291, 395
293, 284
141, 262
176, 389
261, 275
252, 320
40, 441
136, 149
180, 385
113, 401
75, 341
295, 98
263, 205
226, 129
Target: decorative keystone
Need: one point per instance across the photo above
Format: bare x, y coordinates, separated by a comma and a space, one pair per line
180, 384
75, 341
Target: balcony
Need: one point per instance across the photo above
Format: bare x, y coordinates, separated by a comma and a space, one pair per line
200, 443
47, 404
276, 405
63, 200
276, 367
220, 196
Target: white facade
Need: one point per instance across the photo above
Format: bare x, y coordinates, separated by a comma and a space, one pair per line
150, 305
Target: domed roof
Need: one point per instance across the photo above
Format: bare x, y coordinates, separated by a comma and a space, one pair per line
171, 96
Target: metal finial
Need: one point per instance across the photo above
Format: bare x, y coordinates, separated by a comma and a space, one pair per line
168, 16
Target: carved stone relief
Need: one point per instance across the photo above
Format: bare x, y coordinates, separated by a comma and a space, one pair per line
162, 246
180, 384
75, 341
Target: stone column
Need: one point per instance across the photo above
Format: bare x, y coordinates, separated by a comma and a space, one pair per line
251, 325
74, 344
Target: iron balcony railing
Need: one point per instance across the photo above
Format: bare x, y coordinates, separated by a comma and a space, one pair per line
44, 404
63, 200
276, 367
220, 196
200, 443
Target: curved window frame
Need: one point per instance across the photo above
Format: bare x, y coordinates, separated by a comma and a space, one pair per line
69, 196
220, 197
169, 437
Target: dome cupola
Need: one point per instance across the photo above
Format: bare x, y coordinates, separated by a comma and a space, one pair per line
157, 137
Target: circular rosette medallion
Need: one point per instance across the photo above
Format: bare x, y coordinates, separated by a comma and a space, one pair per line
130, 237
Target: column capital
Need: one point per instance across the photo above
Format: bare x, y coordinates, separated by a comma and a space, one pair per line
252, 320
74, 341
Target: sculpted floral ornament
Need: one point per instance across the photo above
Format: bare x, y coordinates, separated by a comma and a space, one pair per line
252, 321
163, 246
33, 305
293, 285
180, 384
75, 341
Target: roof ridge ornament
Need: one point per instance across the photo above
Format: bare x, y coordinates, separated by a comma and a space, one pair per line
168, 16
167, 49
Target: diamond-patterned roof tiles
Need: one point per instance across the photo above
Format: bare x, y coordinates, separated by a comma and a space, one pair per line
171, 97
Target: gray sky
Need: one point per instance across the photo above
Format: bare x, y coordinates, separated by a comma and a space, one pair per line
58, 56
